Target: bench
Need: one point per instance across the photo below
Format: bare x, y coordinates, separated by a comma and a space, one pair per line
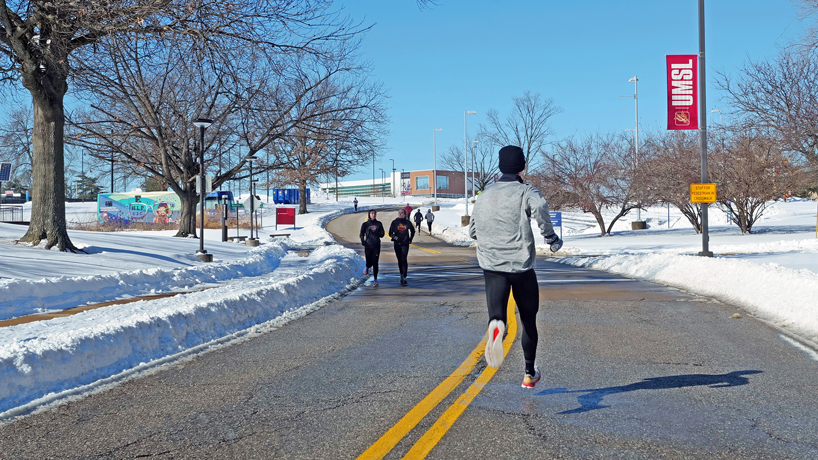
236, 238
285, 235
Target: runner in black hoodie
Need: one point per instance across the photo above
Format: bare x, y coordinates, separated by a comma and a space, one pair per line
371, 234
402, 232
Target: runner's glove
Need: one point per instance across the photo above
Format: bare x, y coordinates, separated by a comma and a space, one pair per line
554, 242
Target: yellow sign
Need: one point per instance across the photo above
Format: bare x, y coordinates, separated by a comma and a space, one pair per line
702, 193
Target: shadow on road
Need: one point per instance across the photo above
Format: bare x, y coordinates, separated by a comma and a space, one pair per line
592, 400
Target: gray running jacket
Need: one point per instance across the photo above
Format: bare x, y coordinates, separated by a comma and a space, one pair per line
500, 224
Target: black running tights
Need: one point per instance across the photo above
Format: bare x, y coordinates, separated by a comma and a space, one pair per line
526, 295
372, 256
402, 252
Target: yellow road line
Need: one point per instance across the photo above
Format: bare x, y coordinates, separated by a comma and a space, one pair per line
429, 440
390, 439
425, 249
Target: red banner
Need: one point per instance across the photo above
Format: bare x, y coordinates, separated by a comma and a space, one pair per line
682, 91
285, 216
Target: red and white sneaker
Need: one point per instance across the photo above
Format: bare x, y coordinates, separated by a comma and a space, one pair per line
530, 380
494, 345
366, 271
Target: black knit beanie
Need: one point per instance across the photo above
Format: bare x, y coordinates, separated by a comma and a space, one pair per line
512, 159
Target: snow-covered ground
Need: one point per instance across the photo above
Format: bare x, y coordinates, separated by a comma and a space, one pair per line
772, 274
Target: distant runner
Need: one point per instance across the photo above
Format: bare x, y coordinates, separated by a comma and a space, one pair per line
355, 203
402, 232
506, 253
371, 234
429, 219
418, 220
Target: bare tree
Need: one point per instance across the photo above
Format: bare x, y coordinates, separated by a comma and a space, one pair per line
338, 132
527, 126
675, 163
453, 159
42, 41
780, 94
145, 95
582, 171
751, 172
16, 142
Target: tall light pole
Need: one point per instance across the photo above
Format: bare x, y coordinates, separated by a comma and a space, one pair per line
381, 187
472, 167
466, 158
250, 160
112, 171
635, 82
401, 185
434, 172
393, 178
202, 124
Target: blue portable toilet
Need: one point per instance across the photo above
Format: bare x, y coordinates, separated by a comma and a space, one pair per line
308, 197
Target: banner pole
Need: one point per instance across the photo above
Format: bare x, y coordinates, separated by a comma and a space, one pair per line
703, 129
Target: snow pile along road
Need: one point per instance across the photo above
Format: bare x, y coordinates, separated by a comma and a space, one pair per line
782, 296
20, 297
51, 356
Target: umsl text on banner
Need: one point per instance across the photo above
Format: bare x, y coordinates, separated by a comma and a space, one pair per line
682, 91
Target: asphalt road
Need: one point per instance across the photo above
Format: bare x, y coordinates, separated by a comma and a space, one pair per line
630, 370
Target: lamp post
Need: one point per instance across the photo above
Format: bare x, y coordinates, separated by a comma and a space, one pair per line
635, 82
382, 195
472, 167
202, 124
466, 162
112, 171
250, 160
434, 172
393, 177
401, 185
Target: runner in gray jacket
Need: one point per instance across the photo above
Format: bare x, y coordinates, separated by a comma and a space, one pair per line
506, 252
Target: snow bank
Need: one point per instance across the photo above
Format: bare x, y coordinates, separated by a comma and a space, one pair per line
51, 356
782, 296
20, 297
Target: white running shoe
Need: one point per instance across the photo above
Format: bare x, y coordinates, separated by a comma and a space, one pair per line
530, 380
494, 344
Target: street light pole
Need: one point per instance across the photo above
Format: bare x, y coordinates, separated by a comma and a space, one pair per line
202, 124
466, 158
381, 187
393, 178
472, 167
250, 160
112, 171
635, 82
434, 172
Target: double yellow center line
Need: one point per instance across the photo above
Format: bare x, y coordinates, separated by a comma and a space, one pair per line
433, 435
425, 249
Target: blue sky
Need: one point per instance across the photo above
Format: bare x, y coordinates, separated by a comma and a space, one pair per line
479, 54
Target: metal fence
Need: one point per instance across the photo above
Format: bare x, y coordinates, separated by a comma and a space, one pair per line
11, 213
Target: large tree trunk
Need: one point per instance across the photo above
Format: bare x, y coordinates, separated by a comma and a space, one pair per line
48, 184
302, 197
187, 221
